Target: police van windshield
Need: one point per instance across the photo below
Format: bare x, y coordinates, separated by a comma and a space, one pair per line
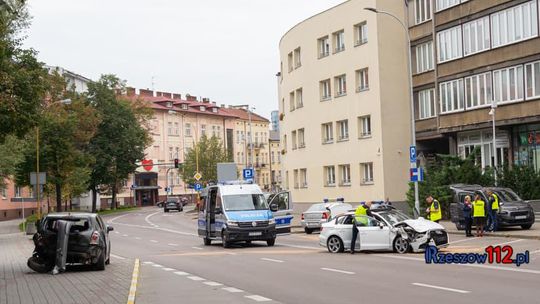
243, 202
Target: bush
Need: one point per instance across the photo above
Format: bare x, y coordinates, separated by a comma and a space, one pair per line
524, 180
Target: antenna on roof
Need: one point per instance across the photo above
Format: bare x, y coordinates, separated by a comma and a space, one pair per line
153, 83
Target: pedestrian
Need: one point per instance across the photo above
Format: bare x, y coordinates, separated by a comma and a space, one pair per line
479, 214
434, 210
493, 205
467, 214
360, 219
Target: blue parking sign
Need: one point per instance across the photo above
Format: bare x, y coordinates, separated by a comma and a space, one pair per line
248, 173
198, 187
412, 154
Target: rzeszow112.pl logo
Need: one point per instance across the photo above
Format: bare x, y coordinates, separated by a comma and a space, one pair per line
491, 255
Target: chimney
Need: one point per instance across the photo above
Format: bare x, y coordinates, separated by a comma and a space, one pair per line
147, 92
206, 100
223, 105
130, 91
177, 96
191, 98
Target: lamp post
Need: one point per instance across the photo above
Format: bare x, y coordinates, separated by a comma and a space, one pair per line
409, 67
494, 138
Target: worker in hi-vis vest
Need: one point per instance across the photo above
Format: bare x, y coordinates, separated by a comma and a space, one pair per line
493, 210
360, 219
479, 214
434, 210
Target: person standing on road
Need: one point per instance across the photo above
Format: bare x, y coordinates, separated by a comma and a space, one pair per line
479, 214
493, 205
434, 210
360, 219
467, 214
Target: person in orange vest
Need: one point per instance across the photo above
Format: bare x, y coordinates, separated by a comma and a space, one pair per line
434, 210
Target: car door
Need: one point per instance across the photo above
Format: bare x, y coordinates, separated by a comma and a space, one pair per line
211, 212
373, 237
343, 228
284, 215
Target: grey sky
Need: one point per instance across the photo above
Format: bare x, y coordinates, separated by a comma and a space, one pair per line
226, 50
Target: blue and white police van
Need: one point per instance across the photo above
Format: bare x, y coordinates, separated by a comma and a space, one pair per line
240, 212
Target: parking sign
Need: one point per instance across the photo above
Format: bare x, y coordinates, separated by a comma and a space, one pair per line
412, 154
247, 173
198, 187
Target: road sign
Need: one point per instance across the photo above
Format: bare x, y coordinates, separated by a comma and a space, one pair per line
412, 154
197, 176
417, 174
248, 173
42, 178
198, 187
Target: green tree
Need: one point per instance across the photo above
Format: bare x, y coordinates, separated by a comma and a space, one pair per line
120, 139
210, 152
10, 156
524, 180
23, 80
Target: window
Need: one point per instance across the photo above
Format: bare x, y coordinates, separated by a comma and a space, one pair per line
325, 90
171, 154
508, 84
256, 137
184, 106
202, 108
177, 152
341, 85
17, 191
426, 103
169, 128
449, 44
364, 126
273, 157
451, 96
476, 36
362, 80
345, 174
218, 131
422, 11
176, 128
287, 179
367, 173
291, 102
327, 133
343, 130
3, 192
324, 46
360, 32
203, 130
532, 80
293, 138
188, 129
301, 142
303, 178
478, 91
339, 41
514, 24
444, 4
299, 99
297, 58
295, 178
290, 61
330, 176
424, 57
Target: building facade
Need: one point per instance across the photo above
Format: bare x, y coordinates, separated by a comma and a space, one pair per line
467, 56
344, 106
275, 161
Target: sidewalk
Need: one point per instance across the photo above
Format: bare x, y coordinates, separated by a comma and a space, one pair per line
10, 227
19, 284
514, 232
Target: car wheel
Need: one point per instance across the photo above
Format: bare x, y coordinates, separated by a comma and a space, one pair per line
207, 242
38, 265
271, 242
335, 244
308, 230
401, 245
526, 227
100, 265
225, 240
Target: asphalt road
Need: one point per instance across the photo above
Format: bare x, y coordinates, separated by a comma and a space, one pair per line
176, 266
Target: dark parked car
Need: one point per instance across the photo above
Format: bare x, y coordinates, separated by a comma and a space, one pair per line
173, 205
513, 211
161, 204
88, 241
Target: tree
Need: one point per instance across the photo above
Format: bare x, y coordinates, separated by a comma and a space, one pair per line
524, 180
210, 152
121, 136
10, 156
23, 80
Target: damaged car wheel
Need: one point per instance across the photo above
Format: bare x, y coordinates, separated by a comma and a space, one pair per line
100, 265
401, 245
38, 265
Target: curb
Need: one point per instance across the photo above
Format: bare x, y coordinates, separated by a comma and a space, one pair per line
134, 280
506, 235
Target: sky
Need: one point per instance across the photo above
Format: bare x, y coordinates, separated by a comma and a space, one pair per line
225, 50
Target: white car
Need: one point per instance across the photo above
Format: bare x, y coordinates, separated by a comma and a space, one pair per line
387, 229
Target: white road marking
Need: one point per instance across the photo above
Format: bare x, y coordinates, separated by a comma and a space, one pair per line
117, 257
210, 283
300, 247
195, 278
147, 218
148, 263
441, 288
168, 269
125, 235
232, 289
198, 248
272, 260
137, 238
117, 232
171, 244
153, 241
181, 273
337, 270
258, 298
507, 243
157, 265
462, 240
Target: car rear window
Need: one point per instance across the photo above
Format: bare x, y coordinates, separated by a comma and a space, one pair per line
79, 224
317, 207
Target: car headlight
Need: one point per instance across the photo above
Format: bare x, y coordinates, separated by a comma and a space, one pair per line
271, 221
232, 223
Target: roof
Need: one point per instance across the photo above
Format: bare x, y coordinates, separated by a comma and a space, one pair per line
244, 115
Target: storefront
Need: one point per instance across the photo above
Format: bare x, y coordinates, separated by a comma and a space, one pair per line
527, 145
483, 140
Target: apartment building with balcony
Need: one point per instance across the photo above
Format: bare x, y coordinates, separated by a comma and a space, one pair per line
467, 56
343, 105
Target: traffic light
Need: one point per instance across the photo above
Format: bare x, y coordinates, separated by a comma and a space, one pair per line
176, 163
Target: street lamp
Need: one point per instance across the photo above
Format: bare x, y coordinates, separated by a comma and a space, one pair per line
495, 163
413, 127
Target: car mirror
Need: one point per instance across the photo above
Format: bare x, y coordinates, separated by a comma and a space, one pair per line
274, 207
110, 228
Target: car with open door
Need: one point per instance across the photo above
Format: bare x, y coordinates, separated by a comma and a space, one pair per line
386, 230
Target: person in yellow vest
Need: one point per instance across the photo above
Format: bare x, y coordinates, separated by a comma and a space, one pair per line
479, 214
360, 219
434, 210
493, 207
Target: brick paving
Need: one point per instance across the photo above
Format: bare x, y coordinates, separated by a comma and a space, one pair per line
80, 284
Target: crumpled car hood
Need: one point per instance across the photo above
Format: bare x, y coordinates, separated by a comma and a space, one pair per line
422, 225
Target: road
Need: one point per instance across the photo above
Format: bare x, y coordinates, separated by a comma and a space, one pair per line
176, 266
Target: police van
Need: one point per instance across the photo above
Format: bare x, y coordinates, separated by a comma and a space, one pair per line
239, 212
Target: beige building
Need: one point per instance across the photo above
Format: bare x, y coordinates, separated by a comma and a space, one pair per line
344, 106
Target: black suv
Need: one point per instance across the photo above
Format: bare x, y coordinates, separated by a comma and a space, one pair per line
513, 211
172, 204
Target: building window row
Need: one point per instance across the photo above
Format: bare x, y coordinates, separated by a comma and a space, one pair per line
294, 59
300, 178
338, 40
298, 140
444, 4
344, 175
327, 129
296, 99
340, 85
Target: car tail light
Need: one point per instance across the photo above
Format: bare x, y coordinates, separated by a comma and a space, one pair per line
302, 216
94, 238
325, 215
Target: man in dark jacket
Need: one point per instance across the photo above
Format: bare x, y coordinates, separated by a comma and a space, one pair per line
467, 214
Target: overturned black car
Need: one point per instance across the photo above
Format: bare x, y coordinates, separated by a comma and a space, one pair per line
70, 238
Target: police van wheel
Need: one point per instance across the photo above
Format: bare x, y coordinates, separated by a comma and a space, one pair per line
207, 241
308, 230
525, 227
271, 242
225, 240
401, 245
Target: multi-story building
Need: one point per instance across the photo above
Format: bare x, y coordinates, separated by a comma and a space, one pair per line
467, 56
275, 161
274, 118
344, 110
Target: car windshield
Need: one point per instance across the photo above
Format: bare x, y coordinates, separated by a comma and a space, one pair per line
317, 207
393, 217
242, 202
507, 196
